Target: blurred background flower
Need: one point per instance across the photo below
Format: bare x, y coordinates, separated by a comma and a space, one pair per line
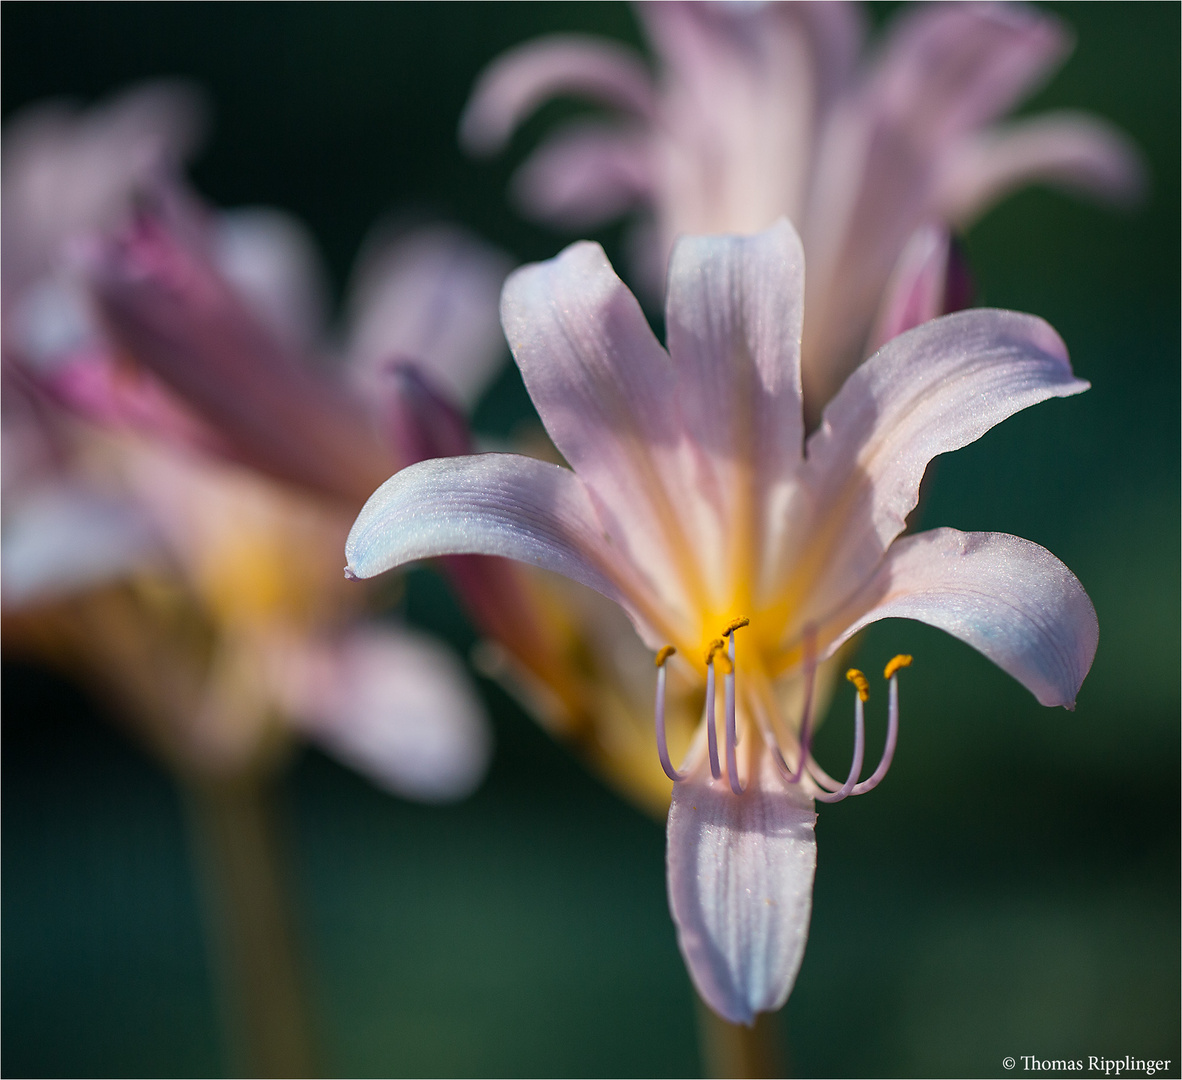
1023, 908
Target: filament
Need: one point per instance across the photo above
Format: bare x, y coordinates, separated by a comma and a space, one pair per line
662, 746
711, 726
732, 734
834, 793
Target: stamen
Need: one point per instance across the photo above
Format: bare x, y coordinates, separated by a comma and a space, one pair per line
892, 739
735, 624
822, 778
851, 782
732, 734
711, 726
662, 747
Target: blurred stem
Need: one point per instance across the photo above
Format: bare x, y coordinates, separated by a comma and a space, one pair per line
238, 850
732, 1050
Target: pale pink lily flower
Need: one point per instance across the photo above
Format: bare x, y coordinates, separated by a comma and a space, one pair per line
144, 496
695, 501
763, 110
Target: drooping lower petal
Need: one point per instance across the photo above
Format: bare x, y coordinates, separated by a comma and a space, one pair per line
1010, 599
394, 705
65, 538
740, 871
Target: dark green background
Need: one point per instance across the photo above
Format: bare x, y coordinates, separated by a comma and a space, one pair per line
1011, 889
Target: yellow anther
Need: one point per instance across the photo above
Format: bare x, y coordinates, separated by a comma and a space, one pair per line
735, 624
664, 655
713, 647
723, 663
859, 681
902, 660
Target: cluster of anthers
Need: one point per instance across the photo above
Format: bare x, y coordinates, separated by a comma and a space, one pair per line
721, 652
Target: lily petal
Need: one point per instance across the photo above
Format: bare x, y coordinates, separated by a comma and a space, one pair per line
485, 504
740, 887
945, 71
429, 295
606, 392
517, 82
933, 389
738, 106
1008, 598
915, 293
174, 313
396, 706
586, 174
271, 258
1070, 150
64, 538
67, 171
733, 320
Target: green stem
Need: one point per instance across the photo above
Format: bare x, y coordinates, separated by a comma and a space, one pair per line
732, 1050
238, 850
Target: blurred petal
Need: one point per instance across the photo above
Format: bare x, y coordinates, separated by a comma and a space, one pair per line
738, 108
271, 259
419, 421
1069, 150
586, 174
915, 293
67, 171
931, 390
520, 80
741, 886
945, 71
488, 504
65, 538
172, 311
431, 297
396, 706
1010, 599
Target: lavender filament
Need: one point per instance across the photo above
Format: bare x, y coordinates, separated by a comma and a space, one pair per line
888, 751
847, 788
732, 738
662, 748
823, 780
711, 729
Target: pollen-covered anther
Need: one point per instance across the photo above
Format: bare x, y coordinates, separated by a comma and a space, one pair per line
715, 654
661, 657
735, 624
900, 661
860, 683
